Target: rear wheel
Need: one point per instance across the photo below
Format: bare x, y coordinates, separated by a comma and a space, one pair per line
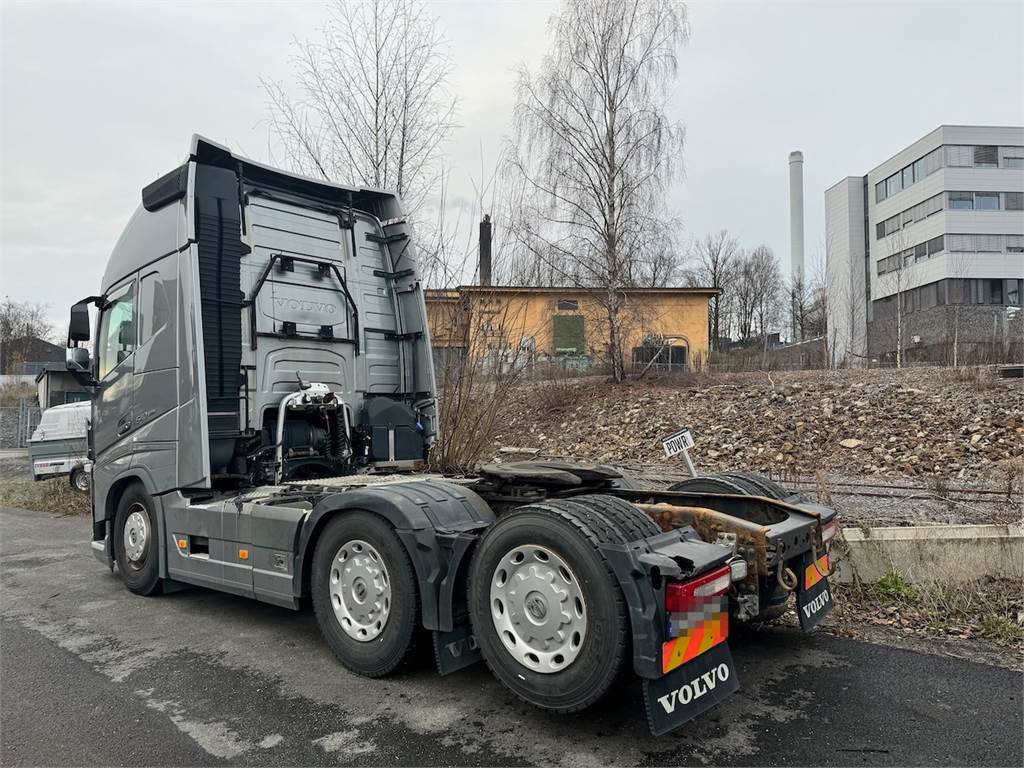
136, 541
739, 483
547, 609
364, 593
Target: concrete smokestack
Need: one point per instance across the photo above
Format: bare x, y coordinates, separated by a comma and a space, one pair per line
485, 250
796, 214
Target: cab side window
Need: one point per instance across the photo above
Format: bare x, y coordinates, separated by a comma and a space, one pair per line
117, 340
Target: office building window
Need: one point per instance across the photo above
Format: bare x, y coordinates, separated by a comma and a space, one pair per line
1010, 161
1013, 292
986, 157
1013, 201
988, 243
986, 201
959, 156
961, 201
1015, 243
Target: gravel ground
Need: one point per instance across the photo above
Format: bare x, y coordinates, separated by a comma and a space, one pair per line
963, 425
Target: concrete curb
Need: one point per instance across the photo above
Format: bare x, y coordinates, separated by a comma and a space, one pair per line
934, 553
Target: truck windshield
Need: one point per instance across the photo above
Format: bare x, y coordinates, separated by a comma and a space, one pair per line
117, 330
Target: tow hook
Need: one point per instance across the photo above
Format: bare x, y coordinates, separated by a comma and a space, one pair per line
785, 576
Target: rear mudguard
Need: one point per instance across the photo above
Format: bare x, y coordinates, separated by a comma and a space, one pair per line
642, 568
438, 522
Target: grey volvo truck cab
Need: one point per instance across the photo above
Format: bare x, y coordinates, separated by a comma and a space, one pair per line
261, 348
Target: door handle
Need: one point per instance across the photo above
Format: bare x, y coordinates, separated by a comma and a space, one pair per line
124, 424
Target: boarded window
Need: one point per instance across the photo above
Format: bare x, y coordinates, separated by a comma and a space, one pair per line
568, 334
570, 305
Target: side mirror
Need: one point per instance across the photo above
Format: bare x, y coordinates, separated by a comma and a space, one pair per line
78, 363
77, 360
78, 328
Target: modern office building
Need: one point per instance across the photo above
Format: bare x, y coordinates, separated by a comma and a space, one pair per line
926, 252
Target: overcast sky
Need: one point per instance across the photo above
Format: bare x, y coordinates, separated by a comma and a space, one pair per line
98, 99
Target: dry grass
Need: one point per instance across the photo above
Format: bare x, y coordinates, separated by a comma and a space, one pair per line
12, 394
54, 496
991, 609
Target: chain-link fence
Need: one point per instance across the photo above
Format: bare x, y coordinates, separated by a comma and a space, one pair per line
17, 423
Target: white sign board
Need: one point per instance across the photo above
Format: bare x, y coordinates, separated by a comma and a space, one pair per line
680, 442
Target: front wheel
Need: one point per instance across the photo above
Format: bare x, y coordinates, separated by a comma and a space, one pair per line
136, 541
364, 593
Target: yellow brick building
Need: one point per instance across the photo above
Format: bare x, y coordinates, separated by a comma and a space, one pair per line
537, 324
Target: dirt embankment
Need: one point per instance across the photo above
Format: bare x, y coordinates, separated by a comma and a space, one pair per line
965, 425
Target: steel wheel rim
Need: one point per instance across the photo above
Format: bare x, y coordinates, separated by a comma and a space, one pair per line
82, 480
538, 609
136, 535
360, 590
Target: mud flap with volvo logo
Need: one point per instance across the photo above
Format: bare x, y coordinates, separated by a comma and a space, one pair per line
813, 596
455, 650
689, 690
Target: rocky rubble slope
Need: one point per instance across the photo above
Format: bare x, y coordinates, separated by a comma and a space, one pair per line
957, 424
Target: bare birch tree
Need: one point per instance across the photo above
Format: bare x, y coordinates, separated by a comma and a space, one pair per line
596, 149
713, 264
373, 104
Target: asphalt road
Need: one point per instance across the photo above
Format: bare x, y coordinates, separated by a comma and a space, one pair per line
93, 675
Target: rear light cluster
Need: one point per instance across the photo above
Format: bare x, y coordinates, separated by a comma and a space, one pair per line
829, 530
684, 596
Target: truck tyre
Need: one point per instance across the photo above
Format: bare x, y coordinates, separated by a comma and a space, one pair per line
547, 610
763, 486
739, 483
364, 593
80, 480
137, 541
630, 522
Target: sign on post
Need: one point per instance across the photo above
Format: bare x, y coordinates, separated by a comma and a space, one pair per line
680, 443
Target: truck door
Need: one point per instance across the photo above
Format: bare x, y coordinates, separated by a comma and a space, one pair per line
113, 416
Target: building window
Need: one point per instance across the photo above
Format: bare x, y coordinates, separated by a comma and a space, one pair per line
988, 243
959, 156
986, 157
1015, 243
879, 191
1011, 161
961, 201
995, 291
568, 334
568, 305
1013, 292
986, 201
1014, 201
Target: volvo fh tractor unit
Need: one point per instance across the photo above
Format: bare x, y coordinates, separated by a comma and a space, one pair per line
263, 401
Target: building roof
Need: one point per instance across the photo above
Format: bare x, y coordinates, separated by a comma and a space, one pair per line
451, 293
